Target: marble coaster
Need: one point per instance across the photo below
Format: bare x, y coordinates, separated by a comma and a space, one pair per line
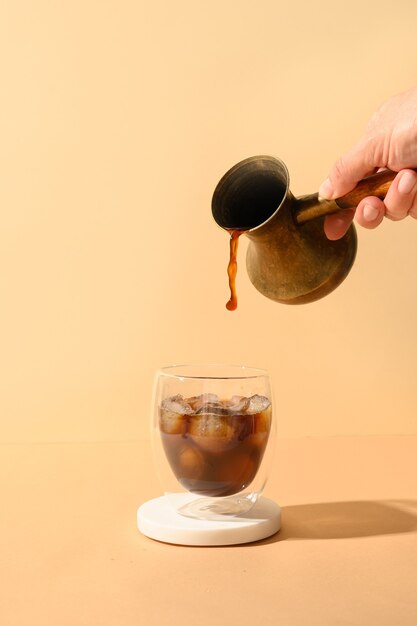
158, 520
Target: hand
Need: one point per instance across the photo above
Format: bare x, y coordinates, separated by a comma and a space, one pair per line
389, 141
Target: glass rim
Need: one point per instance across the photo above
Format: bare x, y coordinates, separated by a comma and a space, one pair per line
242, 372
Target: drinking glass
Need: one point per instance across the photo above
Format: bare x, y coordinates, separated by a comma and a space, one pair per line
213, 435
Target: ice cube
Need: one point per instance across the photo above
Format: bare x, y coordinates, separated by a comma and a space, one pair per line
191, 463
196, 402
216, 433
212, 408
242, 470
263, 422
176, 404
171, 423
211, 432
172, 414
237, 405
257, 404
209, 425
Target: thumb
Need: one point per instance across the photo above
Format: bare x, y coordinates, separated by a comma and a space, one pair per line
348, 171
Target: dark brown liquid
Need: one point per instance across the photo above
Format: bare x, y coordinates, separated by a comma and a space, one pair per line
231, 304
216, 455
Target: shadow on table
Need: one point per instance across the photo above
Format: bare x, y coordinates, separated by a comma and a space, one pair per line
341, 520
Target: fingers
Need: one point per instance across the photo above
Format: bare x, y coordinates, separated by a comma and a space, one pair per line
344, 175
370, 212
348, 171
400, 201
336, 225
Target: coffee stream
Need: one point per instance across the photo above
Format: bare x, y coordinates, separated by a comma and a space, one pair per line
231, 305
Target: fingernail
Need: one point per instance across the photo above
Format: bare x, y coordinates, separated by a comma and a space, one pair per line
370, 213
407, 182
326, 189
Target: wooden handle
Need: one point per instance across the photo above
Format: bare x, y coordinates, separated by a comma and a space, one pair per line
374, 185
307, 208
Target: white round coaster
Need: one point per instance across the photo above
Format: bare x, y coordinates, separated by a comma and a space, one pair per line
158, 520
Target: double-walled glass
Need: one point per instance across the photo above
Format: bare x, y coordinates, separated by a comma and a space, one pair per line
213, 437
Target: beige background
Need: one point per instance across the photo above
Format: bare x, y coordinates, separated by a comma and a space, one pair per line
116, 121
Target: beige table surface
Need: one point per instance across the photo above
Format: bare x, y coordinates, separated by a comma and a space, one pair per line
346, 555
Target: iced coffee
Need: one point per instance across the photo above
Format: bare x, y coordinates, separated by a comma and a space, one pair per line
215, 446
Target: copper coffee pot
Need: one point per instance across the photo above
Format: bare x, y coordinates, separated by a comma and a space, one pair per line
289, 258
